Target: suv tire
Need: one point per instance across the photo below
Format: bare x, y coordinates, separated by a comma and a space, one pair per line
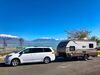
15, 62
47, 60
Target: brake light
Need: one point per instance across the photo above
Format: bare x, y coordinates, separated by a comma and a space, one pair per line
53, 52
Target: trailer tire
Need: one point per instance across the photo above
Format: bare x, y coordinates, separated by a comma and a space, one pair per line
85, 57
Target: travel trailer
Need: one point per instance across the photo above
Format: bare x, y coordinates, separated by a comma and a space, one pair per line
76, 48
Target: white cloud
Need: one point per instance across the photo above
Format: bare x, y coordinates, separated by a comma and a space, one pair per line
52, 38
9, 36
60, 38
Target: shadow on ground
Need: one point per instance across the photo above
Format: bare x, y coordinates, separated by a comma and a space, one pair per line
58, 60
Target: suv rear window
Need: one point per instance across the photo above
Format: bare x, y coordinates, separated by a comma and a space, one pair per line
47, 50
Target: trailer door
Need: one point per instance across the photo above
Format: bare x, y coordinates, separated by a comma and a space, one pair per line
72, 48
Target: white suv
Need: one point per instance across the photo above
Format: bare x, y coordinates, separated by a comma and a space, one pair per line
31, 54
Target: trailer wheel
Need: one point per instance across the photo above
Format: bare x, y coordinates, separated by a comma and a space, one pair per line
85, 57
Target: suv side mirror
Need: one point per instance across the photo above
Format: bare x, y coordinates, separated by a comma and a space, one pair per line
21, 53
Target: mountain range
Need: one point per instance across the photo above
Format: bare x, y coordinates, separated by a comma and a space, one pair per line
36, 42
40, 40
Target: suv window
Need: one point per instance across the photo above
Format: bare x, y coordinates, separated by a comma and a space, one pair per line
47, 50
36, 50
27, 51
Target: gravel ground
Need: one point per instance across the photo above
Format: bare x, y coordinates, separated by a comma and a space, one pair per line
90, 67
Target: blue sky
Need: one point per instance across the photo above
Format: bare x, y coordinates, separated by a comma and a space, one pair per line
48, 18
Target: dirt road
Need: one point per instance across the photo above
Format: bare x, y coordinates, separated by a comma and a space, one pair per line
90, 67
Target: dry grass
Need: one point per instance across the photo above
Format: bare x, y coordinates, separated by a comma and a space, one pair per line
1, 58
3, 54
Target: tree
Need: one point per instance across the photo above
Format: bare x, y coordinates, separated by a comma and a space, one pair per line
78, 34
94, 38
4, 43
4, 40
21, 40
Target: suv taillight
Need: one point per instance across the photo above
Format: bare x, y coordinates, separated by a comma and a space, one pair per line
53, 52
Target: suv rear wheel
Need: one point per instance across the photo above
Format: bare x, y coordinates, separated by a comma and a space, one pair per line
47, 60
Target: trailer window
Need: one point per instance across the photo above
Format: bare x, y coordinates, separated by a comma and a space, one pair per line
90, 45
83, 46
72, 48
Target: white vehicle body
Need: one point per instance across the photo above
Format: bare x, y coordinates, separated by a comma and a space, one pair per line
34, 56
